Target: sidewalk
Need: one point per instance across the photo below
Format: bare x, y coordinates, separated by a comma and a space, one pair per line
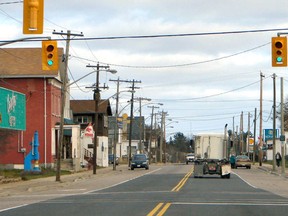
269, 169
73, 180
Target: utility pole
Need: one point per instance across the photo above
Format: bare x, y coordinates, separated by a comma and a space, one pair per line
64, 78
163, 117
274, 121
260, 156
116, 120
141, 123
248, 136
233, 137
283, 152
254, 144
151, 129
131, 121
96, 114
241, 133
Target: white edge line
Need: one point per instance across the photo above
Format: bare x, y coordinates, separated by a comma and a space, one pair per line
245, 181
2, 210
121, 182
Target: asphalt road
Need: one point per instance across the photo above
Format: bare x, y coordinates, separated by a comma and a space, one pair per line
162, 190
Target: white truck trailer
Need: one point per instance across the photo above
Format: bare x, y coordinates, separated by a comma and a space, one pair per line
209, 146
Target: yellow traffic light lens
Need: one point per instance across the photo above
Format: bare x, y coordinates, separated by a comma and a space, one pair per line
50, 55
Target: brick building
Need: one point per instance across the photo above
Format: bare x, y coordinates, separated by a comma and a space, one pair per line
21, 71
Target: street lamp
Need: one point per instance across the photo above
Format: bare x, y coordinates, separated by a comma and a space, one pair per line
97, 99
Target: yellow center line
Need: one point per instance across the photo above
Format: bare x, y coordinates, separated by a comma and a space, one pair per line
164, 209
157, 208
183, 181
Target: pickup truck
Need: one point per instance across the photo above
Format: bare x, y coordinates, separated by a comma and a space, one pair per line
190, 158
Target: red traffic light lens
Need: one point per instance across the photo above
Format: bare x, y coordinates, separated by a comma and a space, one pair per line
278, 45
50, 48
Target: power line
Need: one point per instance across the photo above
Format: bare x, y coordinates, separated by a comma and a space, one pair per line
181, 35
178, 65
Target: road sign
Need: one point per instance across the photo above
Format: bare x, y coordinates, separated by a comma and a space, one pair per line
268, 134
12, 110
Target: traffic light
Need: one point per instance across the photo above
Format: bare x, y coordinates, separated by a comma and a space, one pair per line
279, 51
33, 15
49, 55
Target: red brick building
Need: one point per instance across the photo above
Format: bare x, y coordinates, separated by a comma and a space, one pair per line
21, 71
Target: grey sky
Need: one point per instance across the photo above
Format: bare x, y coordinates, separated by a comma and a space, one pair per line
202, 97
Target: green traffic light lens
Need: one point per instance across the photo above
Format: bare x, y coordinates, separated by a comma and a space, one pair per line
50, 62
279, 59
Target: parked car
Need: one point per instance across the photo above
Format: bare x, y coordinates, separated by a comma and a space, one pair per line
111, 159
139, 161
243, 161
190, 158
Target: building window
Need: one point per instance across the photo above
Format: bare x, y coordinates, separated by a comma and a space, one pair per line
83, 119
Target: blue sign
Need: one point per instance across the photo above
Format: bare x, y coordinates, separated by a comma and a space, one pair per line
268, 134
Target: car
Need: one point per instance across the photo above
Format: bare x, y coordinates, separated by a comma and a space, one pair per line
190, 158
243, 161
111, 159
139, 161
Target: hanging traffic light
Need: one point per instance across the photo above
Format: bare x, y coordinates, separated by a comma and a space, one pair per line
33, 15
279, 51
49, 55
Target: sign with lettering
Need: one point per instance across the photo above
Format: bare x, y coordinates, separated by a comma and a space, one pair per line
268, 134
12, 110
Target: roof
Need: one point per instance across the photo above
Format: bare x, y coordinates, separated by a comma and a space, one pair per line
88, 107
24, 62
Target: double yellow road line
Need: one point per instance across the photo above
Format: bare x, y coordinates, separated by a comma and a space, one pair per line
161, 208
183, 181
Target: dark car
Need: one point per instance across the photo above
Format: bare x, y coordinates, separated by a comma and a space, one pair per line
139, 161
111, 159
243, 161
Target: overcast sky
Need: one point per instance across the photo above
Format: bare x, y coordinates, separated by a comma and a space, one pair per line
202, 80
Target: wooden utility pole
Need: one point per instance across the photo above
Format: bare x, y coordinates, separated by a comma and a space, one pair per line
116, 120
141, 123
241, 133
274, 121
248, 136
254, 144
283, 152
64, 78
131, 120
96, 113
260, 155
